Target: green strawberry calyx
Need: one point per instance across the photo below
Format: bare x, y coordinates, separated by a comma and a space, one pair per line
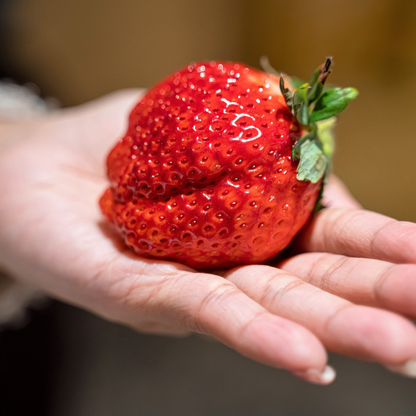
315, 108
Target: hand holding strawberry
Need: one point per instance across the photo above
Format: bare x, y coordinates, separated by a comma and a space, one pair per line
221, 164
349, 289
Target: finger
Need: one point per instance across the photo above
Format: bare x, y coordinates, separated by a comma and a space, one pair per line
359, 233
363, 281
211, 305
344, 328
337, 195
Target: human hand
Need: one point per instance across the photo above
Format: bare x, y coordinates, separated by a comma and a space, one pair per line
53, 235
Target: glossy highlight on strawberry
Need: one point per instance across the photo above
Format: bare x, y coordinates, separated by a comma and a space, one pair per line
205, 175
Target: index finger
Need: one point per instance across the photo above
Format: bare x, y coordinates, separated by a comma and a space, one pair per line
359, 233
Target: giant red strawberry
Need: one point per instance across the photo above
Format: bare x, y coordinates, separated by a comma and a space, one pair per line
221, 164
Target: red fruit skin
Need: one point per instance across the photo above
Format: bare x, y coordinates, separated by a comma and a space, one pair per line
204, 175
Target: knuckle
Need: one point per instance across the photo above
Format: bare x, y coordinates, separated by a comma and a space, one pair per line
278, 286
328, 279
216, 298
379, 285
247, 327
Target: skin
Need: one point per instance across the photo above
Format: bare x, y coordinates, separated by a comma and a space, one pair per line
348, 287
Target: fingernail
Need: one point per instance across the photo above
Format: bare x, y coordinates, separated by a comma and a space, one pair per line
317, 377
408, 369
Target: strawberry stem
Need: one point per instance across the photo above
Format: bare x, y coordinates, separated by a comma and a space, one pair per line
315, 109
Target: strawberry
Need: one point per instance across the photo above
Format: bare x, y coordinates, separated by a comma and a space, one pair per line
221, 164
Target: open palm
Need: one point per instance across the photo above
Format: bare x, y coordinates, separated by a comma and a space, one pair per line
347, 288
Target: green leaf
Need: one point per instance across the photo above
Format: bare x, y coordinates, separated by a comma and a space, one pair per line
296, 146
313, 162
332, 102
288, 96
302, 114
300, 104
315, 92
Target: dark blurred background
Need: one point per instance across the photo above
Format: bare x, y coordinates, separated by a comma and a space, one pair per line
78, 50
